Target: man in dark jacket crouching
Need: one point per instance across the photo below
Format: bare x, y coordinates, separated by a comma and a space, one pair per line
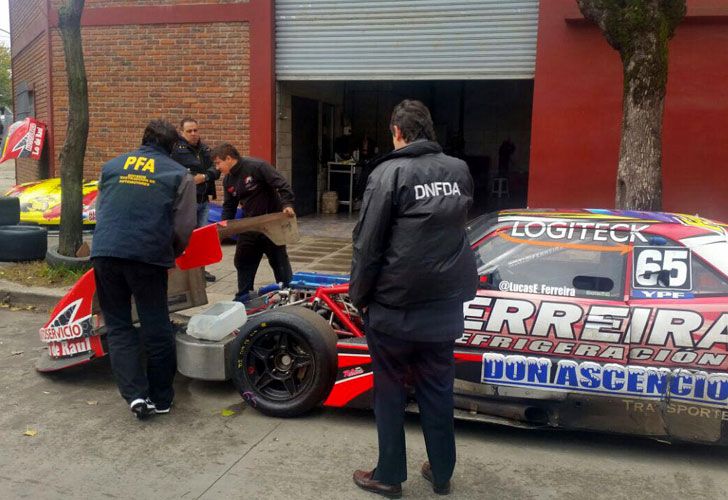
412, 270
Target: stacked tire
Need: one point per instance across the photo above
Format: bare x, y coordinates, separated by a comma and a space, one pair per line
19, 242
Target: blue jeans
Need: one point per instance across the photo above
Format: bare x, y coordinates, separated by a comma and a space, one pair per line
203, 210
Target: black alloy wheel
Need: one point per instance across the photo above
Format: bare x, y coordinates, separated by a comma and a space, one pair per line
284, 361
279, 365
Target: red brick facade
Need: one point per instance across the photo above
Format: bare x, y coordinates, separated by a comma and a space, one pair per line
139, 71
91, 4
136, 73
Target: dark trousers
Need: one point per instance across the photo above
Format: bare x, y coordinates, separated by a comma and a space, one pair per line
432, 369
116, 281
248, 252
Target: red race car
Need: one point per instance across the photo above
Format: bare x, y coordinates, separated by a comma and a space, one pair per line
600, 320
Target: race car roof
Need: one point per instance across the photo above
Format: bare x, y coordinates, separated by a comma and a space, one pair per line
706, 238
672, 225
610, 216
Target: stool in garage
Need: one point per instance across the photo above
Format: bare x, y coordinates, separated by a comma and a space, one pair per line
499, 187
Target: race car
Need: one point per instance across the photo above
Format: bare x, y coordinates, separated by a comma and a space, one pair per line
598, 320
601, 320
40, 201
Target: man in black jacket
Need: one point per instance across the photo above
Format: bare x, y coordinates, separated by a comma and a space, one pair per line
259, 189
194, 155
145, 214
412, 269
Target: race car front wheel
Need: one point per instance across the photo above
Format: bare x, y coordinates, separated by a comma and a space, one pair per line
284, 361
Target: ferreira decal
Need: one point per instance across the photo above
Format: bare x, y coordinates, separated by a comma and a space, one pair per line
642, 335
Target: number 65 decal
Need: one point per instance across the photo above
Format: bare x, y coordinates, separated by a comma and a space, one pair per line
662, 268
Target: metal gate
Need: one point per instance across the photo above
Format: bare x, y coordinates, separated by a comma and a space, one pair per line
407, 39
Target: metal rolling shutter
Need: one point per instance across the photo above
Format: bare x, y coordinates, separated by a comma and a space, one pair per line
406, 39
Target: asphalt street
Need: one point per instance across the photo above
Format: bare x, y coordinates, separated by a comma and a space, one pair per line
70, 435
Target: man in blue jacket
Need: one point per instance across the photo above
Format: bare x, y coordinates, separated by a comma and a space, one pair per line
411, 271
145, 216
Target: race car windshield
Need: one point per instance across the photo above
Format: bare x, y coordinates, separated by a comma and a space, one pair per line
480, 226
577, 267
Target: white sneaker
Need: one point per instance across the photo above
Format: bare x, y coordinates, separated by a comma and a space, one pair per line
160, 411
156, 409
141, 408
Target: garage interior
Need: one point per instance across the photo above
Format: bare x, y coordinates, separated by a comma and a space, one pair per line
473, 119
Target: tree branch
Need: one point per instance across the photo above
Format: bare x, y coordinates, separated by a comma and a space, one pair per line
594, 11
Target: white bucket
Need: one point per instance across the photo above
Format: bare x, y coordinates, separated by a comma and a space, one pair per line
218, 321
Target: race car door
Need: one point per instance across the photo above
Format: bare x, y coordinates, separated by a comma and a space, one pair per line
551, 316
679, 326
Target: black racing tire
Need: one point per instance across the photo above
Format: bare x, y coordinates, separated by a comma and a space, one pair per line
54, 259
265, 355
23, 243
9, 210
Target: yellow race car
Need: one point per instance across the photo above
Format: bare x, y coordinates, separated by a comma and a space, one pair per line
40, 202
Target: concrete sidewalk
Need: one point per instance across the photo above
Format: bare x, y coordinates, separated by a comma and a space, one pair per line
313, 252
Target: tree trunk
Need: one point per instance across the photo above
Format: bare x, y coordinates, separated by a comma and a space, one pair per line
639, 175
640, 31
74, 148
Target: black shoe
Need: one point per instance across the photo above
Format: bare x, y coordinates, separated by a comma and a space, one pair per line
161, 409
142, 408
365, 480
210, 277
245, 297
440, 489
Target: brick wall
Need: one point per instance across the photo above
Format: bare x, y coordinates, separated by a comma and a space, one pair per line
23, 15
91, 4
136, 73
30, 65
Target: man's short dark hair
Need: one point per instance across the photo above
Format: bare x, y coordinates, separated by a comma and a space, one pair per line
160, 133
414, 120
187, 119
224, 150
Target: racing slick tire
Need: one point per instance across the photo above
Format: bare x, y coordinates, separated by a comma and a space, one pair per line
55, 259
9, 210
284, 361
23, 243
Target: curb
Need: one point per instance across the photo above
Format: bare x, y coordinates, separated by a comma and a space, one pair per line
17, 294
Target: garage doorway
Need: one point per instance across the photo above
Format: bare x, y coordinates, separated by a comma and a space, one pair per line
304, 154
485, 123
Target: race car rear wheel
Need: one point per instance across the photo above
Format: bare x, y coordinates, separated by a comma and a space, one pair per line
23, 243
284, 361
